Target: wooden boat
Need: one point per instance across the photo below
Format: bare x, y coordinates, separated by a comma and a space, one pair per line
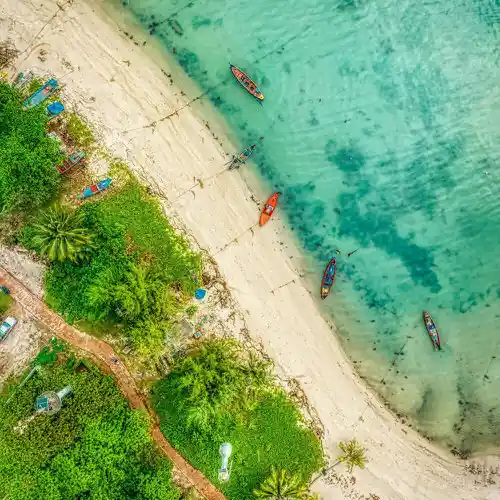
176, 27
243, 156
269, 208
95, 188
70, 162
432, 330
41, 94
328, 278
247, 83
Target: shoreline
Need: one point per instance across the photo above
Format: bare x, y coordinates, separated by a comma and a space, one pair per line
300, 343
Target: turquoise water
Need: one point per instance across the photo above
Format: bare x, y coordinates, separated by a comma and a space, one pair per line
381, 124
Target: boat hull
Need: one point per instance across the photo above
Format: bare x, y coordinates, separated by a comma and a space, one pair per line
328, 278
432, 330
247, 83
268, 209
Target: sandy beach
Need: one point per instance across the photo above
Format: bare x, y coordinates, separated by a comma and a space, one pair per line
124, 94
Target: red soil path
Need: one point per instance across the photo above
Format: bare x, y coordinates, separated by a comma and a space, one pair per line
108, 361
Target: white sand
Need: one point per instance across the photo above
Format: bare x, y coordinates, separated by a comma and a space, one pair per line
85, 50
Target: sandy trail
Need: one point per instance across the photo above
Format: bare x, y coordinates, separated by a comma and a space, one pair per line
109, 80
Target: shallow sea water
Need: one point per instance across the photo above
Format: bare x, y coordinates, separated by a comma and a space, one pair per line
381, 124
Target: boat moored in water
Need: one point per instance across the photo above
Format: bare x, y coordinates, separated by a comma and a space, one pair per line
247, 83
432, 330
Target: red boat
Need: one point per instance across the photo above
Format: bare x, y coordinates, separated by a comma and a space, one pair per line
432, 330
247, 83
328, 278
268, 209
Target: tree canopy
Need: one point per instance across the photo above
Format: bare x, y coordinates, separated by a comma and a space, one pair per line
28, 177
95, 447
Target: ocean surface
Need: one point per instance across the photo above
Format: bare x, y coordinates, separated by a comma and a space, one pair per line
382, 130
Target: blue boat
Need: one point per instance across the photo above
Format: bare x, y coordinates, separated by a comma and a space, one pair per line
95, 188
41, 94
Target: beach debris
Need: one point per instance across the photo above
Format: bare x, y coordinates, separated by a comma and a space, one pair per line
22, 80
70, 162
95, 188
47, 89
8, 53
199, 328
200, 293
240, 159
54, 109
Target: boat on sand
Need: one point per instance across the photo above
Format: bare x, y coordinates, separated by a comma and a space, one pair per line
246, 82
432, 330
328, 278
269, 208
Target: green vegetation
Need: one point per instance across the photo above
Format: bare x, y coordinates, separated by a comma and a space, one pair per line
28, 177
48, 355
5, 302
281, 485
95, 447
59, 235
353, 454
137, 277
34, 84
80, 133
218, 394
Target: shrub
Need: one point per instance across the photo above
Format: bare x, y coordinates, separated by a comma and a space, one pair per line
28, 177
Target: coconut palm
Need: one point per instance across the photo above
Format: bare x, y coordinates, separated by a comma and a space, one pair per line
353, 455
281, 485
60, 235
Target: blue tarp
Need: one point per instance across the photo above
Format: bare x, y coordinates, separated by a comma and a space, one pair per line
55, 108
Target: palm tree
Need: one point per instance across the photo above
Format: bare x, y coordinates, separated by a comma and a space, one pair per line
60, 235
281, 485
353, 455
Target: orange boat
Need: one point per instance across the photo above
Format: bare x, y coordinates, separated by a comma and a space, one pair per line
269, 208
247, 83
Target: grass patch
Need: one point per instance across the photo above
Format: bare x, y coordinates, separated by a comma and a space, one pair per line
265, 428
81, 134
34, 85
94, 447
136, 282
5, 302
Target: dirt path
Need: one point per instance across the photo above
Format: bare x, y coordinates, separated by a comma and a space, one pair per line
107, 360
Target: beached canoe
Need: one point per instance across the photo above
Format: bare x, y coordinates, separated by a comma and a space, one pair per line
95, 188
239, 160
328, 278
247, 83
269, 208
70, 162
41, 94
432, 330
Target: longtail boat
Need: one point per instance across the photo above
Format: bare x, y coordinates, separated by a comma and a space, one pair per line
269, 208
70, 162
95, 188
328, 278
432, 330
247, 83
237, 161
176, 27
41, 94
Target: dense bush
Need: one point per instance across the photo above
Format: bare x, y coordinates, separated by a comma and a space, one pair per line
95, 447
137, 276
28, 177
217, 395
5, 302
